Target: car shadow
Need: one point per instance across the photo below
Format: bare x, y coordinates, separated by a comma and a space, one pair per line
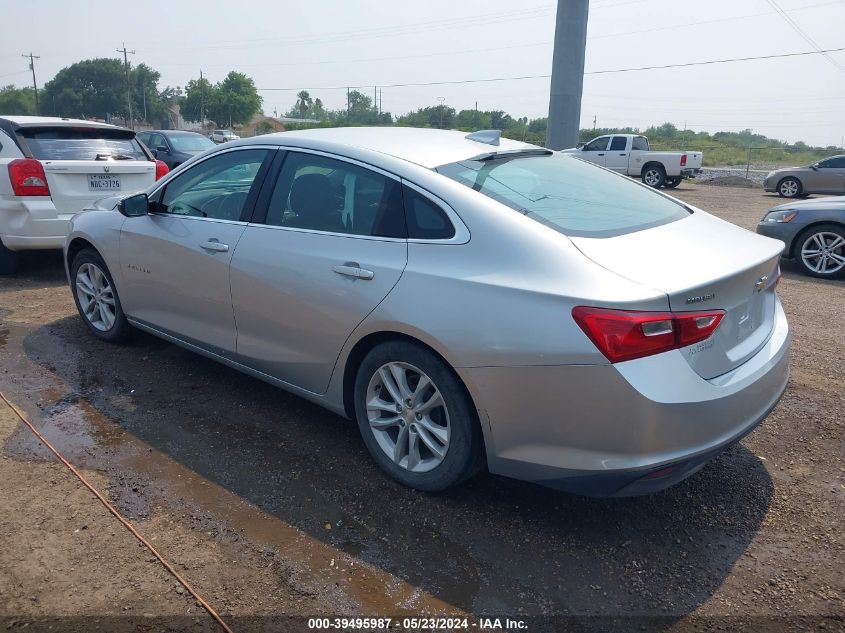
491, 546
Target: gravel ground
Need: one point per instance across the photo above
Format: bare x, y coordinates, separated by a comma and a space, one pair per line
271, 508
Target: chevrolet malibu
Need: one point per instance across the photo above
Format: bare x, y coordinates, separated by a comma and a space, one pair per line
470, 301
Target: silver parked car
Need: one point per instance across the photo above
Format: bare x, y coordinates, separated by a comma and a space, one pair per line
468, 300
814, 234
825, 176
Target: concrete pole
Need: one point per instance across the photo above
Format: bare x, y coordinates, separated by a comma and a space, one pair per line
567, 74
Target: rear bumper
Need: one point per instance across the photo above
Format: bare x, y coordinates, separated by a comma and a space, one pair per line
600, 429
32, 224
690, 172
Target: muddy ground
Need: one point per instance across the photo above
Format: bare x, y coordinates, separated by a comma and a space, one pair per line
271, 508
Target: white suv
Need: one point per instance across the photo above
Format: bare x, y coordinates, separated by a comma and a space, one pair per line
221, 136
51, 168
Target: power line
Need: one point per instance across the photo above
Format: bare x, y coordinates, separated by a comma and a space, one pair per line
794, 25
593, 72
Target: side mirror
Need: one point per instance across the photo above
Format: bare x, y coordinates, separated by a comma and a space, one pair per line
134, 206
580, 145
814, 166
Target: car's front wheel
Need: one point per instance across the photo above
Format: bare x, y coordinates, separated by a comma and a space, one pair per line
821, 251
789, 188
96, 297
416, 417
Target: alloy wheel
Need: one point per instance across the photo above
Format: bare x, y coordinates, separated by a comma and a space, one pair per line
652, 177
824, 253
96, 297
408, 417
789, 188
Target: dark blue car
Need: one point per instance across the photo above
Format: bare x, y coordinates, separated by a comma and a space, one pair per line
174, 147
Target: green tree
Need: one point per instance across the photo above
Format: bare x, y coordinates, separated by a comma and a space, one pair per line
473, 120
198, 96
235, 100
319, 111
90, 88
304, 103
17, 100
147, 103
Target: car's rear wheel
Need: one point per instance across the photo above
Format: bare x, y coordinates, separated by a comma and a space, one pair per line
789, 187
416, 417
671, 183
10, 261
96, 297
654, 176
821, 251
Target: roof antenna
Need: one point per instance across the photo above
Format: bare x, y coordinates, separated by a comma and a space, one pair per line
490, 137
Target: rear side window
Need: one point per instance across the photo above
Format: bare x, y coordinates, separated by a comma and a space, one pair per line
639, 143
426, 220
323, 194
568, 194
62, 143
618, 144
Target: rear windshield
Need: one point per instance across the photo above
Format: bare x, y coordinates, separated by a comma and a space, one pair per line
568, 194
82, 144
190, 142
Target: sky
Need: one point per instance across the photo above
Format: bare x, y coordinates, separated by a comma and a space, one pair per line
323, 46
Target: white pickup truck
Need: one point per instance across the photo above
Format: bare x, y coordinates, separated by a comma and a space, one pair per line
630, 154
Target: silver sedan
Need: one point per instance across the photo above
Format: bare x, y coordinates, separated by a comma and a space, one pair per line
825, 176
471, 302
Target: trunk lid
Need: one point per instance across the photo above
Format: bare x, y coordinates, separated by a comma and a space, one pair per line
75, 184
702, 263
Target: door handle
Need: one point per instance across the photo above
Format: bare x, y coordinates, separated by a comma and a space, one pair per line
354, 270
623, 154
215, 245
602, 154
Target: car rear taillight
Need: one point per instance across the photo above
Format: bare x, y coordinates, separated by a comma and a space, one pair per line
161, 169
625, 335
28, 178
683, 160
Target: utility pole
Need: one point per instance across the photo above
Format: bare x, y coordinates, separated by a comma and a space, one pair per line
441, 100
202, 102
32, 59
594, 121
567, 74
347, 103
128, 85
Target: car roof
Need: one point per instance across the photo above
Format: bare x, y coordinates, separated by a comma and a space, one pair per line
422, 146
37, 121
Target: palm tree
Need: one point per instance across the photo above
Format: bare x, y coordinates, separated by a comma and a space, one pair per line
303, 103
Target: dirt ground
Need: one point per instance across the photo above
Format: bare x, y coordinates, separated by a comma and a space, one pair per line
271, 508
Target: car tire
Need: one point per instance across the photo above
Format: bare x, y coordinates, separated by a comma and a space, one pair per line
390, 432
790, 187
654, 175
671, 183
814, 247
10, 261
96, 298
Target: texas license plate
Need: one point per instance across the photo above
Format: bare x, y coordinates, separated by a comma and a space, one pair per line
103, 182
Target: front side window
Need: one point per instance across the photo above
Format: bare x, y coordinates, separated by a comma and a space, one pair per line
158, 142
568, 194
323, 194
216, 188
596, 145
65, 143
837, 162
